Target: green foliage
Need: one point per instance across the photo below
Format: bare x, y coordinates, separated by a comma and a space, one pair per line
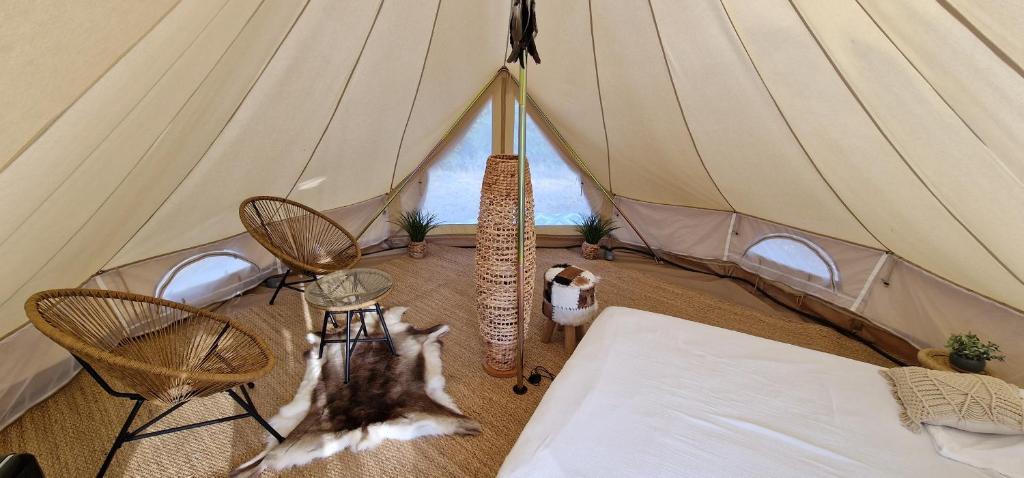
417, 224
594, 227
969, 346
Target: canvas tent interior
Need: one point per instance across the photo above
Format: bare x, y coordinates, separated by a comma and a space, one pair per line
865, 153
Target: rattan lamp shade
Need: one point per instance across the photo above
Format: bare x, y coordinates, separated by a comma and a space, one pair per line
496, 262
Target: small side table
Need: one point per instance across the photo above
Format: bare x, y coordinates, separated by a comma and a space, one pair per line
352, 291
938, 359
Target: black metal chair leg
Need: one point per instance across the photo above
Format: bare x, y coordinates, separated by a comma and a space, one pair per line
121, 437
280, 285
251, 410
384, 326
362, 332
348, 342
323, 332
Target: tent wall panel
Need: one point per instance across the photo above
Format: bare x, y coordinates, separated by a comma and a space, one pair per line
853, 262
979, 86
926, 310
52, 158
688, 231
565, 87
268, 141
368, 124
24, 383
464, 54
53, 51
956, 166
88, 218
652, 156
854, 156
916, 305
746, 144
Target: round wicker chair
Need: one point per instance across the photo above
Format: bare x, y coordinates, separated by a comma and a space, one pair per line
305, 240
143, 348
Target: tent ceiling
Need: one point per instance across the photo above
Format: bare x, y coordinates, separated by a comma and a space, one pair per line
894, 125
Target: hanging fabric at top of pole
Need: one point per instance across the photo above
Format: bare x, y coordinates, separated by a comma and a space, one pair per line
522, 32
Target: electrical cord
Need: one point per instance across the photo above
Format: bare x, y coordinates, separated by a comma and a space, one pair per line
539, 373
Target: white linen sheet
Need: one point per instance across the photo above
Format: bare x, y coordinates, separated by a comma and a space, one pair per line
651, 395
1001, 453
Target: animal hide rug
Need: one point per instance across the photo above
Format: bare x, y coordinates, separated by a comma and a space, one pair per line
388, 397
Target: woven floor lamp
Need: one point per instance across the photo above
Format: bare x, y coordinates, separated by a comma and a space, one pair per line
497, 261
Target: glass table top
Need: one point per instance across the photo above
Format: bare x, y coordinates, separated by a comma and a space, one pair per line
348, 288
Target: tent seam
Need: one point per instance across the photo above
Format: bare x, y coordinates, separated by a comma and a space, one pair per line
896, 149
600, 98
792, 131
679, 104
226, 123
49, 124
415, 95
341, 97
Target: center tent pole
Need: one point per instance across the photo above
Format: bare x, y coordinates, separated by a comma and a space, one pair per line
520, 387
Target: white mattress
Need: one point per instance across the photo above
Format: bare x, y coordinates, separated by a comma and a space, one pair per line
651, 395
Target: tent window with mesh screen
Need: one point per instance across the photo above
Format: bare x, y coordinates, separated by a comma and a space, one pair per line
798, 257
819, 180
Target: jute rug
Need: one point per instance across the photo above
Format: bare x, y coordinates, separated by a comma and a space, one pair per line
72, 431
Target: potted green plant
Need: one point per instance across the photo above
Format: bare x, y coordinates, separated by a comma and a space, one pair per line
417, 224
968, 353
593, 228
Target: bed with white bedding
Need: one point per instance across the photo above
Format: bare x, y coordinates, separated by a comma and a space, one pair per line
650, 395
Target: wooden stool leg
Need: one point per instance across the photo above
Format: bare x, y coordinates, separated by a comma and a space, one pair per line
570, 339
549, 330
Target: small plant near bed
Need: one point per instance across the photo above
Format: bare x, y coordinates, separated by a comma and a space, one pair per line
967, 352
417, 224
593, 228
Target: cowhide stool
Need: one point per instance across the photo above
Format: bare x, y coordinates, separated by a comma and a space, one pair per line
570, 302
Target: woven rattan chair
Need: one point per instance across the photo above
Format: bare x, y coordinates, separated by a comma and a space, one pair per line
306, 241
143, 348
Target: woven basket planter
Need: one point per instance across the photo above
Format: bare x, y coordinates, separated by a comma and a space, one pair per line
417, 250
591, 251
496, 262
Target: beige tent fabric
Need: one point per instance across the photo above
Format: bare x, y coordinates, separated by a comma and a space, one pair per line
748, 148
53, 51
892, 125
273, 134
369, 121
50, 160
964, 174
981, 88
854, 156
463, 56
90, 216
652, 156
